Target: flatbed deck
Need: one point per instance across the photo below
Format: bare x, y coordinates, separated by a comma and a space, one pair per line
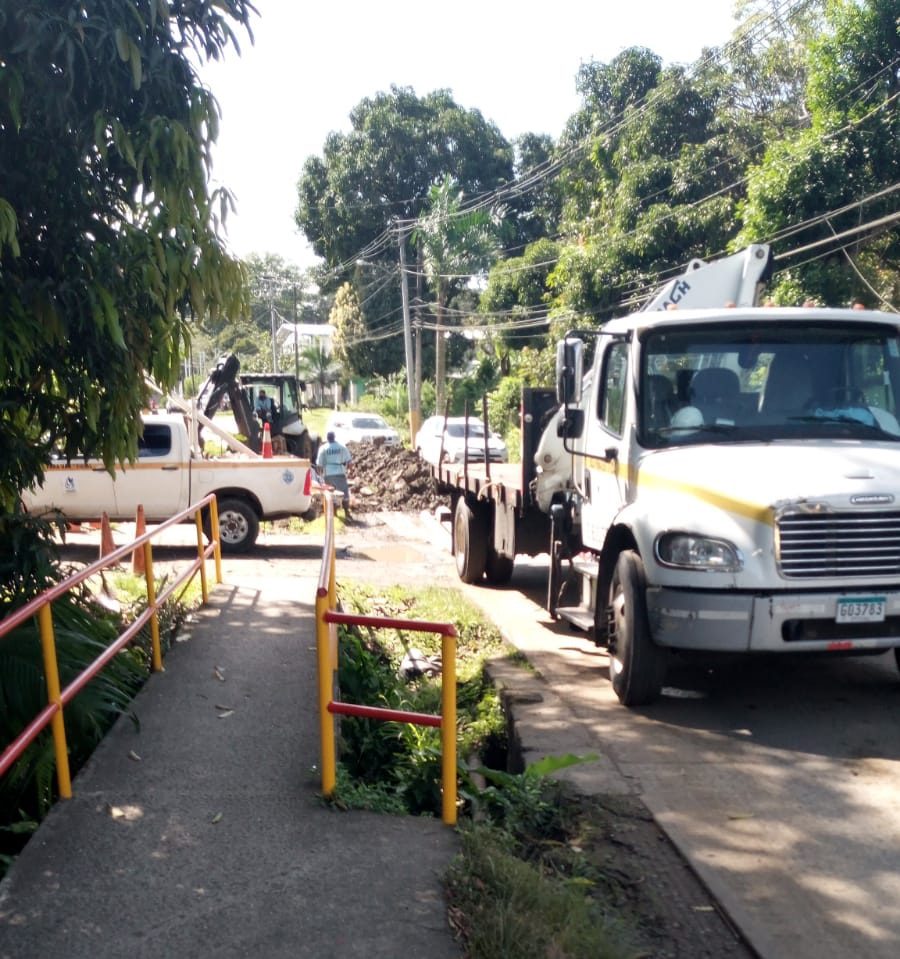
498, 481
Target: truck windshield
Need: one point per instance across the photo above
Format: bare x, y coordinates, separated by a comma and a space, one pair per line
768, 381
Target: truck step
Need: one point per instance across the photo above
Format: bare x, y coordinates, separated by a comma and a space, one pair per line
579, 616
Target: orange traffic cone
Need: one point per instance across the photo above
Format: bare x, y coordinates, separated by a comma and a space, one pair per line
267, 442
106, 541
137, 557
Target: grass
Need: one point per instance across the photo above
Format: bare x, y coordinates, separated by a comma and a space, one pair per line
502, 905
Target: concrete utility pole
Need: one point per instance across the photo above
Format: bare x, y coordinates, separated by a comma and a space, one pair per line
270, 290
414, 416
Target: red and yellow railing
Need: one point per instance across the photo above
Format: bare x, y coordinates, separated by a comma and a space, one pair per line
41, 606
328, 617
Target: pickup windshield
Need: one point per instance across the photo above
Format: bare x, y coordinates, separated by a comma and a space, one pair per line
769, 381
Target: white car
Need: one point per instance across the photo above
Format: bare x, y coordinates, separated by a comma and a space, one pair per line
361, 428
434, 440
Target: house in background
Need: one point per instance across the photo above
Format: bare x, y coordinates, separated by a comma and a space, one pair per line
303, 335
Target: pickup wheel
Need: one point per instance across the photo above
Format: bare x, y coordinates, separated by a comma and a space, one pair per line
637, 666
470, 543
238, 525
498, 568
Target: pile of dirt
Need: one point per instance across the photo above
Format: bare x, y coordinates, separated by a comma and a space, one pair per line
390, 478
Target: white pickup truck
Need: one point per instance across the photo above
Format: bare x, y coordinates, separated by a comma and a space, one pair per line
170, 475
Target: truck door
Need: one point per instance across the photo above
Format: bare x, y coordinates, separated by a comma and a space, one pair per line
158, 481
605, 465
81, 490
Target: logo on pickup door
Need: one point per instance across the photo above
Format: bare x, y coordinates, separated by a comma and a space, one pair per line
287, 477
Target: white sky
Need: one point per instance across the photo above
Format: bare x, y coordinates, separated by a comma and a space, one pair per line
311, 63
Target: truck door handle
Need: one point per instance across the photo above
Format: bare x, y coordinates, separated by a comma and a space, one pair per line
169, 469
611, 453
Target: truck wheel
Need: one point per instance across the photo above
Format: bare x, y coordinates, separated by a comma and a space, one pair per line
498, 568
238, 525
637, 666
470, 543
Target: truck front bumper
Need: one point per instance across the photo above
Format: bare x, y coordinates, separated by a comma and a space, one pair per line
779, 622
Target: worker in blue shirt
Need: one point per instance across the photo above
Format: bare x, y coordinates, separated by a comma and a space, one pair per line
332, 462
265, 408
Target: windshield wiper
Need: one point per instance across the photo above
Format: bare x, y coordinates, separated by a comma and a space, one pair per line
844, 419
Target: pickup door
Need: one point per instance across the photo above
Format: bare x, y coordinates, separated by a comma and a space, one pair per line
159, 480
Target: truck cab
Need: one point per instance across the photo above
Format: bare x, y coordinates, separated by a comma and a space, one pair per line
733, 486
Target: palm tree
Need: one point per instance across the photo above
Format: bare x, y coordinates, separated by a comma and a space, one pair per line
318, 367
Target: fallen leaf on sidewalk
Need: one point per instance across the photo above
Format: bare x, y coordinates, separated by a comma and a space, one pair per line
219, 674
216, 818
133, 755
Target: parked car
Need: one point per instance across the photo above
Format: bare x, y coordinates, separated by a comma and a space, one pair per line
433, 437
351, 427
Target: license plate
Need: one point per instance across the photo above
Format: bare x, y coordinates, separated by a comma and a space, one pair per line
860, 609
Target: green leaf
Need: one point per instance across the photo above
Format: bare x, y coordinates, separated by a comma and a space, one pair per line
123, 45
553, 764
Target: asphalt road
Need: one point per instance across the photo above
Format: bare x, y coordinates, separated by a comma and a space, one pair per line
778, 778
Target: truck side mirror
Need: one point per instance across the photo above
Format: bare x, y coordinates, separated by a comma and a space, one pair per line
569, 370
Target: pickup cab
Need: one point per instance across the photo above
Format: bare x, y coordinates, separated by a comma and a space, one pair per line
168, 476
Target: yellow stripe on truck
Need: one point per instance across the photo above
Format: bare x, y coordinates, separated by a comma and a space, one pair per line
759, 513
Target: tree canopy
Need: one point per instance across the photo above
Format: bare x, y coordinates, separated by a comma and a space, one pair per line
398, 147
108, 231
832, 186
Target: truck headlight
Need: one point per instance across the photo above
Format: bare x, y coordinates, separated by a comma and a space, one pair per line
687, 551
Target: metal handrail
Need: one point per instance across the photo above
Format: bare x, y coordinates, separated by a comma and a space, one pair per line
41, 606
327, 620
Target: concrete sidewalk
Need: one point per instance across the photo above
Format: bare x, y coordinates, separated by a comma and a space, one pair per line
199, 832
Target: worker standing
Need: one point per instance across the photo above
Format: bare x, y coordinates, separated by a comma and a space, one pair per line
332, 462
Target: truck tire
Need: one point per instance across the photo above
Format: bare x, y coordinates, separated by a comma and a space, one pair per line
470, 543
498, 568
637, 666
238, 526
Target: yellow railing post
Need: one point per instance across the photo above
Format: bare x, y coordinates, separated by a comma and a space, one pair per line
326, 680
151, 603
54, 696
204, 588
448, 729
214, 532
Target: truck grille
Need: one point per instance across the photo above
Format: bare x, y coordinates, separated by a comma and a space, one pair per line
839, 544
